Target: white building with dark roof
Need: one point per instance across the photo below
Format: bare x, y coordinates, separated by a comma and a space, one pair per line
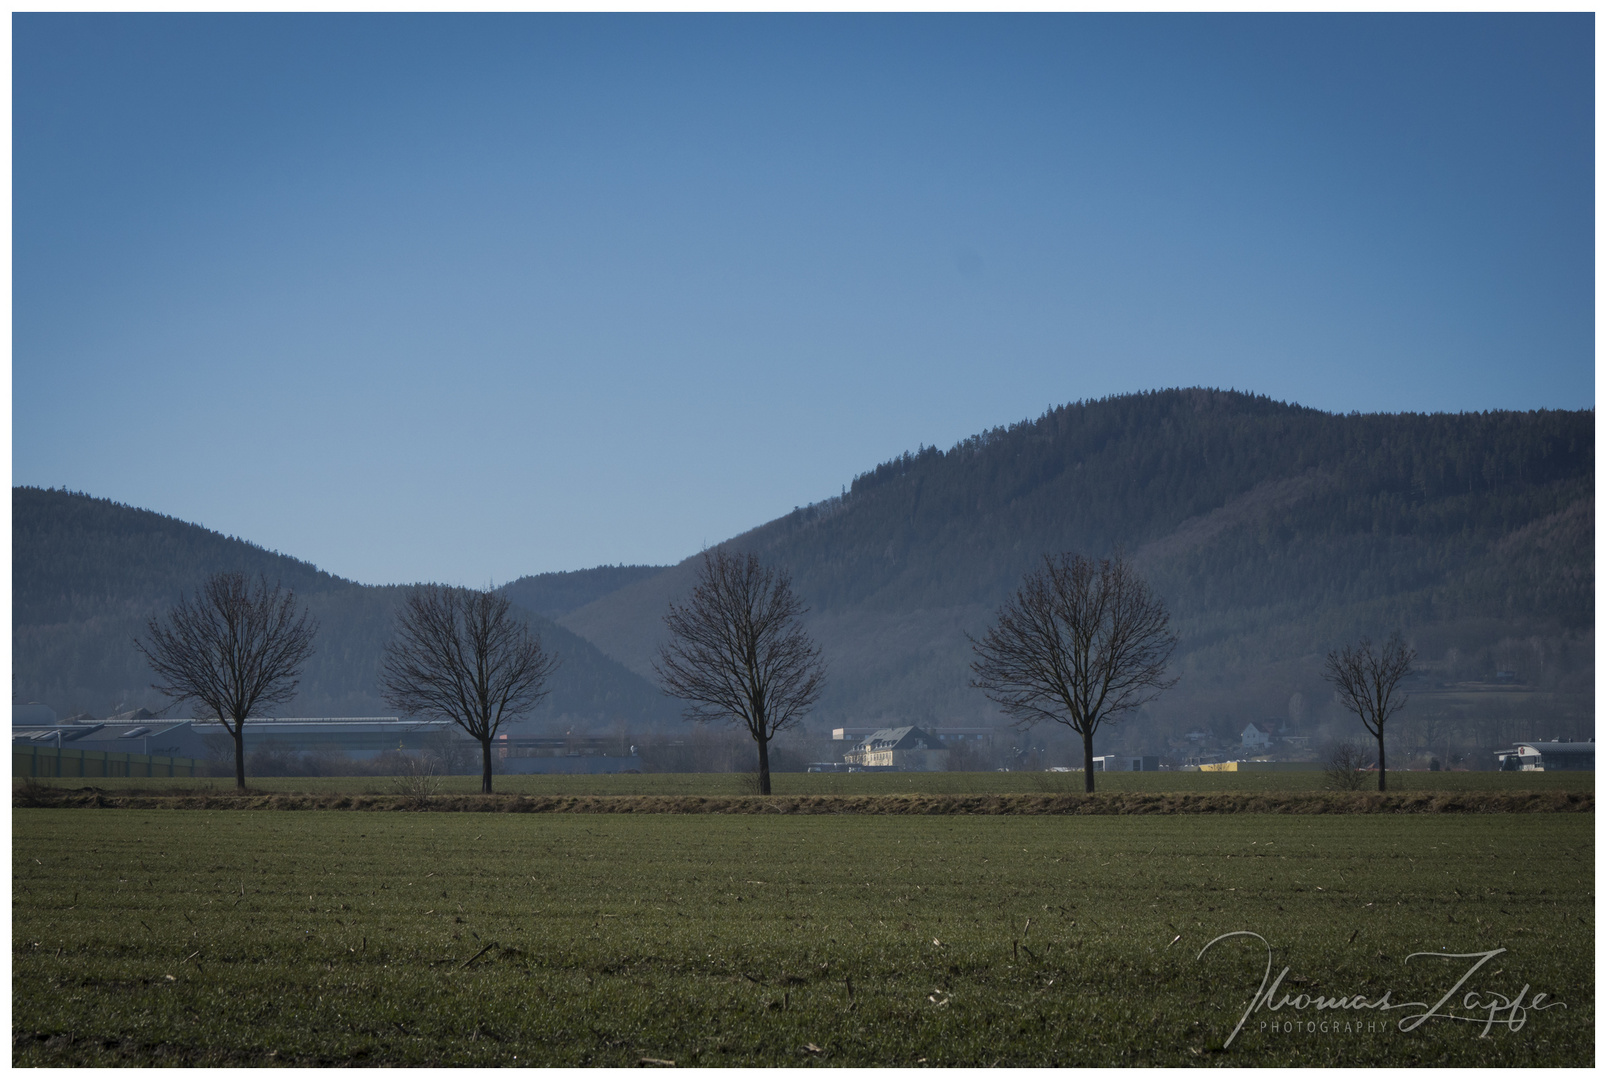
905, 749
1548, 757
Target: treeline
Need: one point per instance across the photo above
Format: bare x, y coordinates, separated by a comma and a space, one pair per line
555, 594
89, 573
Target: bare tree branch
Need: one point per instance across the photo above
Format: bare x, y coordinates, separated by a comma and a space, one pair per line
1366, 682
462, 655
233, 647
736, 652
1080, 643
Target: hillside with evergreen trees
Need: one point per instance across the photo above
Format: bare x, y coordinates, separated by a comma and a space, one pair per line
88, 573
1274, 533
559, 593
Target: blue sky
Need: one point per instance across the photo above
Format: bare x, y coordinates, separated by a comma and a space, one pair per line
463, 298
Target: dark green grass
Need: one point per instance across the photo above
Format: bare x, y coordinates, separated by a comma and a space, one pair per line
219, 938
940, 783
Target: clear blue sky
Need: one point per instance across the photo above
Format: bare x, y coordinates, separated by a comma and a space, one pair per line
463, 298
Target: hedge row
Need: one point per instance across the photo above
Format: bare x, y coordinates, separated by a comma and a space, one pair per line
1110, 803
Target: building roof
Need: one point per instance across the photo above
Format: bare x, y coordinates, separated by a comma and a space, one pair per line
901, 738
326, 723
131, 729
944, 732
314, 720
1558, 747
69, 733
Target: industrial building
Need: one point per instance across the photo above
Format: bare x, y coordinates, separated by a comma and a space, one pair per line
164, 738
1127, 763
564, 754
357, 737
1548, 757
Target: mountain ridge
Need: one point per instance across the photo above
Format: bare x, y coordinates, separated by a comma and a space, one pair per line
1275, 531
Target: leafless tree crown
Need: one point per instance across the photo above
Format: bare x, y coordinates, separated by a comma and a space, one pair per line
235, 646
1343, 765
463, 655
1367, 681
1081, 641
736, 651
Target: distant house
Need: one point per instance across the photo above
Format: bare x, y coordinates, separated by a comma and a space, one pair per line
1548, 757
905, 749
1253, 738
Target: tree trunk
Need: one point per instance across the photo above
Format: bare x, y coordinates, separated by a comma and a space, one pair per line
1381, 758
485, 760
764, 766
240, 754
1088, 762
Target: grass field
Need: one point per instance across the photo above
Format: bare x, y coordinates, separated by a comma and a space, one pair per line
938, 783
242, 938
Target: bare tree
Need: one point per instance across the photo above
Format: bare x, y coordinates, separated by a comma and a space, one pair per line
1343, 764
450, 753
737, 653
1366, 682
462, 655
234, 647
1080, 643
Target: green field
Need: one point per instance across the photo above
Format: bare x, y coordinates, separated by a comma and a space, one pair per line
936, 783
253, 938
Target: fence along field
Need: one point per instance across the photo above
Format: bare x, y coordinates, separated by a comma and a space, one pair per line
248, 938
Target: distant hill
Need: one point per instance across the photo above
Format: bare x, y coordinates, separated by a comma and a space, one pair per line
88, 573
560, 593
1274, 532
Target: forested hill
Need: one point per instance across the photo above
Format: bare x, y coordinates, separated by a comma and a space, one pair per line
1273, 531
88, 573
559, 593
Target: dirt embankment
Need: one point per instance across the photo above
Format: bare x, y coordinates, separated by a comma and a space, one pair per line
1111, 803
